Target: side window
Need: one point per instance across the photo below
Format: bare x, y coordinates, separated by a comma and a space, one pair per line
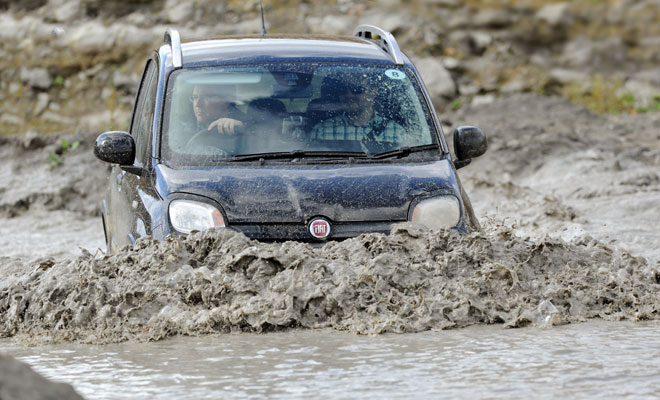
141, 125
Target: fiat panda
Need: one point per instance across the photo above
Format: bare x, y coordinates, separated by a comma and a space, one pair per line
307, 138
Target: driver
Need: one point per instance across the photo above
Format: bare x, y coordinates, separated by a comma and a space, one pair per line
215, 110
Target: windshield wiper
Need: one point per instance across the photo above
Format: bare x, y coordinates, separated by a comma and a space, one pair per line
295, 154
402, 152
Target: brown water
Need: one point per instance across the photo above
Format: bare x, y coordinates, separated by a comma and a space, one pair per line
592, 360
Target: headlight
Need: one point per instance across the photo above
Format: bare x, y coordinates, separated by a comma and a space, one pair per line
437, 212
187, 216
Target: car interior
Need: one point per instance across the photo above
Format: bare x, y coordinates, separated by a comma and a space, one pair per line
281, 107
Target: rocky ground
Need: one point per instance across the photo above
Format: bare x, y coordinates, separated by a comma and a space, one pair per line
71, 65
556, 169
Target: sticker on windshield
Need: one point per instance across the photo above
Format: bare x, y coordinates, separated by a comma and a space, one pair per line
395, 74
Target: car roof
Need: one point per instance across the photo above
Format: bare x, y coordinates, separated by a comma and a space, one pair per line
278, 48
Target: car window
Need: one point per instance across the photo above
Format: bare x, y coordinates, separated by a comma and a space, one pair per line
142, 123
285, 107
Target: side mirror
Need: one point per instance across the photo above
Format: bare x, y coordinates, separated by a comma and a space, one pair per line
117, 147
469, 142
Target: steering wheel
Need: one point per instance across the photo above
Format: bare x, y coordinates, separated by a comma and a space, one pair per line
205, 138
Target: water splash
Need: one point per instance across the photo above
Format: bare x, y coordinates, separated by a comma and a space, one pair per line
409, 281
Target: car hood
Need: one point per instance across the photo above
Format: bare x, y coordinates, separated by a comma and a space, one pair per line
295, 193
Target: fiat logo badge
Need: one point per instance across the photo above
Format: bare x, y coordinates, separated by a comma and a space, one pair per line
319, 228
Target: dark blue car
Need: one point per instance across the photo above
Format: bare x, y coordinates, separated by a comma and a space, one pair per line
283, 138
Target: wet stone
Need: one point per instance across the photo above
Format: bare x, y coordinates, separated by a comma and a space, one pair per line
555, 14
18, 381
38, 78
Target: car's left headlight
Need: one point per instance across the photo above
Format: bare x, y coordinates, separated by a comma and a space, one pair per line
187, 216
437, 212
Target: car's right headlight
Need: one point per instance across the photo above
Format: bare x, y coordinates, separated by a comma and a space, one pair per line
188, 215
437, 212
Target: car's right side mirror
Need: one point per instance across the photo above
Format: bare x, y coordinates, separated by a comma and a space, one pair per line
469, 142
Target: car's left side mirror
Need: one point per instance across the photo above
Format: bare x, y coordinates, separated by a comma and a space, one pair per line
469, 142
117, 147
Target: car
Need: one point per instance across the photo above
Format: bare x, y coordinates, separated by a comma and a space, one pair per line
315, 138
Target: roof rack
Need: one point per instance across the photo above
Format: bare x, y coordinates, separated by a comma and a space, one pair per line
383, 38
174, 40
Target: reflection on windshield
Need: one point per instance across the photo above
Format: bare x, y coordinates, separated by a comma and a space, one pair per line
228, 112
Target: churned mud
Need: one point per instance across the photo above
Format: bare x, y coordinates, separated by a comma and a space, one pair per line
412, 280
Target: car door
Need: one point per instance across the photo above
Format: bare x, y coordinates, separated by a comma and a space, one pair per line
130, 218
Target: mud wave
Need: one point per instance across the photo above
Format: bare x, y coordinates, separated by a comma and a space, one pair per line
409, 281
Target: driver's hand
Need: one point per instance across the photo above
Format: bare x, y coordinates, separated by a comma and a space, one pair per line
226, 126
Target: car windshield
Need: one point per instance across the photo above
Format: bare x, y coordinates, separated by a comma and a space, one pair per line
225, 113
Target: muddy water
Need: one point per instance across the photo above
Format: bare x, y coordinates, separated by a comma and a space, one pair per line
217, 315
592, 360
567, 200
409, 281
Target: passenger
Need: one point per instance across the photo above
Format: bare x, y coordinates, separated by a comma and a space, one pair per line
359, 120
